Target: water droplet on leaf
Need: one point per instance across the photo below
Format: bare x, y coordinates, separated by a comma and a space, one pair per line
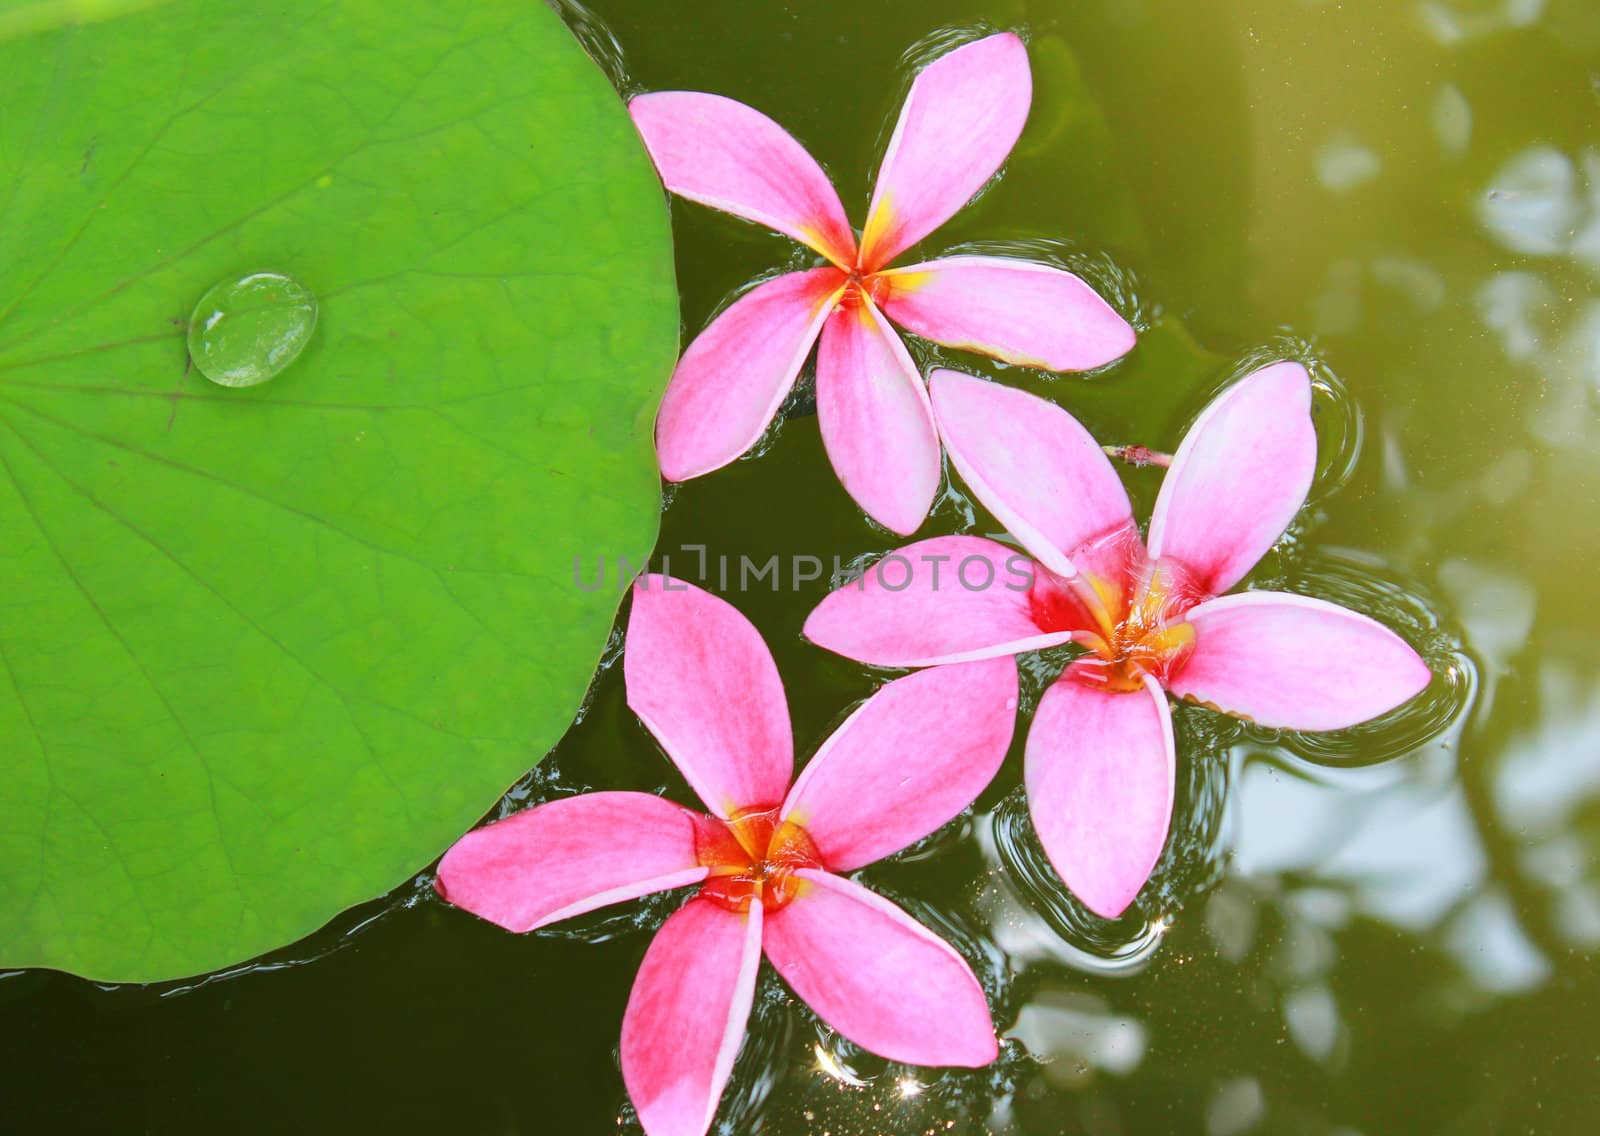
245, 331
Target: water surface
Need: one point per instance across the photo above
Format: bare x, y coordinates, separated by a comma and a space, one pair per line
1388, 931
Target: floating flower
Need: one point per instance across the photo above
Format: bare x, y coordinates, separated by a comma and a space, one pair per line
767, 859
962, 116
1100, 755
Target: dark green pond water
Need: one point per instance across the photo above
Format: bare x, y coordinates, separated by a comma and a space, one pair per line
1388, 931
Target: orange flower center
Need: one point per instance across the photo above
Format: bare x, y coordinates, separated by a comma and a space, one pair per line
1132, 629
754, 855
860, 283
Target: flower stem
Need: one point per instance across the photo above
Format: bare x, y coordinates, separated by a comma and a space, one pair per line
1139, 455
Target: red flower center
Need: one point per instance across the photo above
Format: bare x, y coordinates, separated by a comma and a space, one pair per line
754, 855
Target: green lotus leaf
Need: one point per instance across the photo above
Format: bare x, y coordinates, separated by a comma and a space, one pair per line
265, 651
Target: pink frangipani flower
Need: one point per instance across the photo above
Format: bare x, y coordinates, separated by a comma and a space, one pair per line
767, 860
1100, 755
962, 116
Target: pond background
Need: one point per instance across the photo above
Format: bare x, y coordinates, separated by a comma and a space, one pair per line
1334, 943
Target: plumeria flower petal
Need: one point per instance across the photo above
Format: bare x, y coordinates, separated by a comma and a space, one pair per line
687, 1013
732, 157
876, 423
1099, 752
878, 976
1239, 477
573, 855
963, 114
734, 376
906, 762
944, 600
1034, 466
1022, 312
1296, 663
1100, 770
702, 681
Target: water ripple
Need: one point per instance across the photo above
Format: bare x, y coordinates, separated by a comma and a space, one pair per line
1340, 424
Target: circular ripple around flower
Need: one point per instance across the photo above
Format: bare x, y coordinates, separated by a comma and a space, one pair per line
1191, 861
1337, 415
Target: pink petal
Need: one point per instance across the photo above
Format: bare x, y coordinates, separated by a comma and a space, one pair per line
732, 157
737, 372
1100, 773
1239, 477
909, 760
1032, 465
876, 424
1015, 310
1296, 663
878, 976
945, 600
961, 117
570, 856
703, 682
686, 1016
